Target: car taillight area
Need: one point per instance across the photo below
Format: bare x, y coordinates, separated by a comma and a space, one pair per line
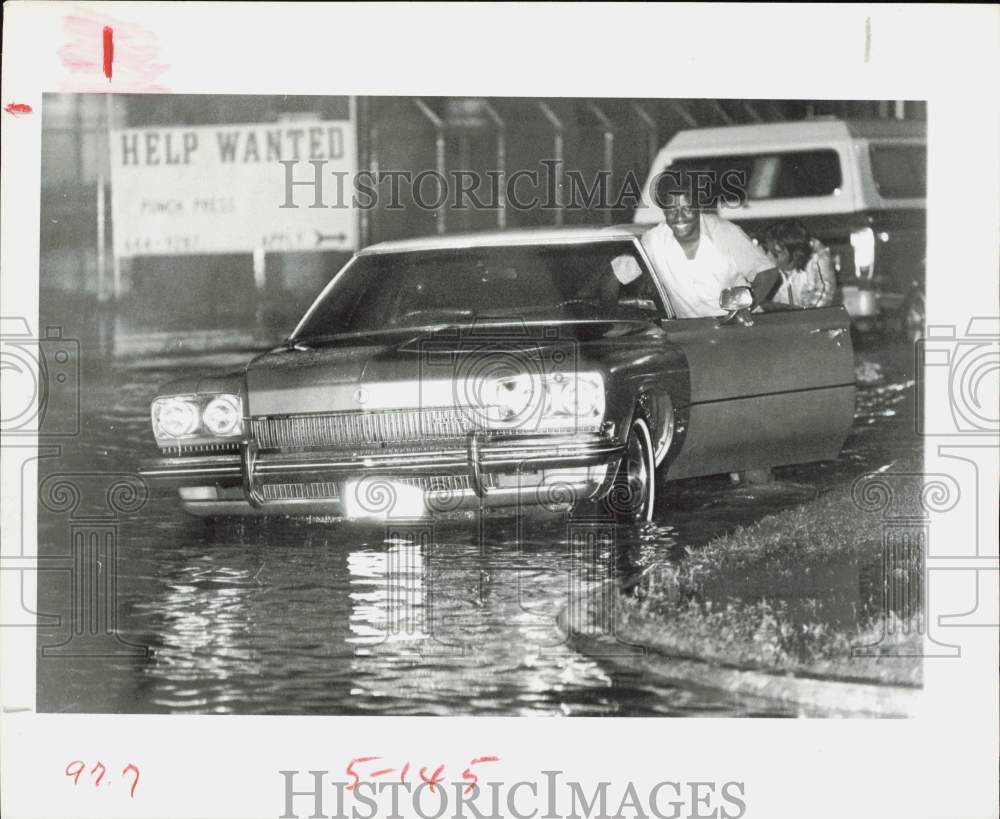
863, 245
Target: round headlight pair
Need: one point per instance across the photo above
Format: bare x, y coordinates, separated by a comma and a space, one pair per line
523, 400
181, 416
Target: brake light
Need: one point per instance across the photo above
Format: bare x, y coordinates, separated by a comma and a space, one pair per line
863, 242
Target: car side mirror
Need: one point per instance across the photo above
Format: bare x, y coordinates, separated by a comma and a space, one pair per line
736, 298
736, 301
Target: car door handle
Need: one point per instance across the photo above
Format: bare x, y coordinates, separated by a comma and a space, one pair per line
836, 334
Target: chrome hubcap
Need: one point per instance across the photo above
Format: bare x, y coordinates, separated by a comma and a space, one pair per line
637, 472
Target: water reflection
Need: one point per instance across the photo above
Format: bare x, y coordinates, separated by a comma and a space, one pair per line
204, 615
316, 617
388, 597
443, 625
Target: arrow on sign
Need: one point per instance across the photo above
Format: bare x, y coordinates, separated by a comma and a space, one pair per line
330, 237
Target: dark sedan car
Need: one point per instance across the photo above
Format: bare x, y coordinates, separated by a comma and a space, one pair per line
509, 369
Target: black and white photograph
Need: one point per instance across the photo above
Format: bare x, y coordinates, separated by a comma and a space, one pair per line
382, 403
441, 406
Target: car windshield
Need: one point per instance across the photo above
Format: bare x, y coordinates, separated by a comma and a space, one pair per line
900, 171
387, 291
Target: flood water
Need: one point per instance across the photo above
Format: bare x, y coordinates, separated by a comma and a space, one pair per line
163, 613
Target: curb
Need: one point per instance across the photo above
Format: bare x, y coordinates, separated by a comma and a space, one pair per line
812, 697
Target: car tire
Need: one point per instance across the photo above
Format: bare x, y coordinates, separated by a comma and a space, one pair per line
633, 492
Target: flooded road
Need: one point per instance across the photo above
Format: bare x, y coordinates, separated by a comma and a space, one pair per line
333, 618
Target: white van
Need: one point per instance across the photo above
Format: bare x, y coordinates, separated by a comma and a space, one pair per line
859, 186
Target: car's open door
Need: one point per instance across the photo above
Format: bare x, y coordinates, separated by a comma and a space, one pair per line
780, 391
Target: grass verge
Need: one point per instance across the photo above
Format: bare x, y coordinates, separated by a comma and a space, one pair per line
808, 591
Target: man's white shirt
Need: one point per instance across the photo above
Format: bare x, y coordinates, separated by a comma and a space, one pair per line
726, 257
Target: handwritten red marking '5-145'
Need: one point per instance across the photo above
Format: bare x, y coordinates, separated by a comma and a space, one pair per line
17, 108
431, 781
78, 766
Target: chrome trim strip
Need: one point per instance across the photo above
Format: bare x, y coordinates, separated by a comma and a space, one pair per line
474, 468
221, 467
561, 235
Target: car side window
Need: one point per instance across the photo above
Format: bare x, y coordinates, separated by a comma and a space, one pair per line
768, 175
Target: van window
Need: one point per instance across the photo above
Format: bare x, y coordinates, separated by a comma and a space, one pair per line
900, 171
772, 175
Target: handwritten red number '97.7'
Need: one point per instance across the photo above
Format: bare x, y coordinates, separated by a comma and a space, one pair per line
76, 768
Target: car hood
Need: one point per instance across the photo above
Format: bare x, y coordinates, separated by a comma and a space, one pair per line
425, 368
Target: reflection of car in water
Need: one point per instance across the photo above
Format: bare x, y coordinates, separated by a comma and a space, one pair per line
503, 370
858, 186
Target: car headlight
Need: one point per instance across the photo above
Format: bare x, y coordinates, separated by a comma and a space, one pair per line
577, 396
515, 399
197, 416
176, 416
223, 415
544, 403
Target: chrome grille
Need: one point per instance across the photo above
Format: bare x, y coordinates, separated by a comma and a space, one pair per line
327, 490
201, 449
300, 491
410, 426
446, 483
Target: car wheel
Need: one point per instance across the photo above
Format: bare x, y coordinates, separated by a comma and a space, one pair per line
634, 490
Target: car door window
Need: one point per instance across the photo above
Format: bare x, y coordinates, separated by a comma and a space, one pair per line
900, 171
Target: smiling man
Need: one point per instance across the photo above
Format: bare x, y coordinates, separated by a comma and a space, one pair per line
698, 255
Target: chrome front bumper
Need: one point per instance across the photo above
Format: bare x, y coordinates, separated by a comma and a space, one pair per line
218, 477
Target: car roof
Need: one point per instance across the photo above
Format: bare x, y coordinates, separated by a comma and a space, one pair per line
746, 137
577, 234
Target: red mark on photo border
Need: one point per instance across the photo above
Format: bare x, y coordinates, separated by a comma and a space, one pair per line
17, 108
353, 775
135, 770
109, 50
435, 779
469, 776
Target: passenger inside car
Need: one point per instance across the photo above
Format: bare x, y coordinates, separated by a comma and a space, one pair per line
808, 278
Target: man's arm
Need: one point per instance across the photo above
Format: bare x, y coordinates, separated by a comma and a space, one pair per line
751, 263
764, 285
